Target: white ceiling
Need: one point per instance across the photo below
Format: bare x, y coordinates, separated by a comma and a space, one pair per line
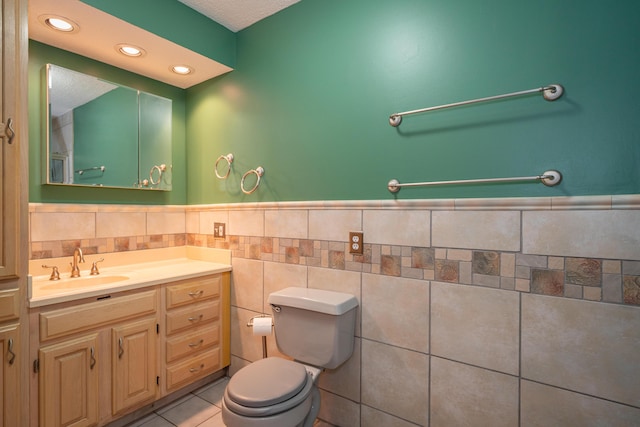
238, 14
100, 32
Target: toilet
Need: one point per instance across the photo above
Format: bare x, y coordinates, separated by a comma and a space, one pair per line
316, 328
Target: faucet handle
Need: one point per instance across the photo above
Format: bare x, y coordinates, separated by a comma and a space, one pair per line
94, 267
55, 274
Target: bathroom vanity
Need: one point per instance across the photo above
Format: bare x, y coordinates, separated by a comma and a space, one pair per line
110, 344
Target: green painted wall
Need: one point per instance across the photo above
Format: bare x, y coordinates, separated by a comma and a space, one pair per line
174, 21
39, 55
314, 86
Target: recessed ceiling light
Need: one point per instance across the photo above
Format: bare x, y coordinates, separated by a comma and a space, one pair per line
59, 23
130, 50
182, 69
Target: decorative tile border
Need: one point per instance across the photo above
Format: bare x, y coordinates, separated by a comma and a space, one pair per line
605, 280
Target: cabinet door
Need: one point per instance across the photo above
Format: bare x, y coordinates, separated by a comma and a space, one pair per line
9, 372
134, 370
9, 150
69, 383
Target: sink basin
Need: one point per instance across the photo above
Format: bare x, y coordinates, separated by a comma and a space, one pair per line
81, 282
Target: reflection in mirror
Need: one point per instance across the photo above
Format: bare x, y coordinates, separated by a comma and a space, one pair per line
107, 135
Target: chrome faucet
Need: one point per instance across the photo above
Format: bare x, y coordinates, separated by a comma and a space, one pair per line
77, 257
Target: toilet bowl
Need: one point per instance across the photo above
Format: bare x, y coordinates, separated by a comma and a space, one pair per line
271, 392
314, 327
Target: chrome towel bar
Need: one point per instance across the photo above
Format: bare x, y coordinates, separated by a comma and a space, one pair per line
548, 178
550, 93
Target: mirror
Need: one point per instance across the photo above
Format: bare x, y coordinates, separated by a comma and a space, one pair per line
103, 134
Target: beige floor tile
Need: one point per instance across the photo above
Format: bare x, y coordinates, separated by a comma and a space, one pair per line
189, 412
213, 392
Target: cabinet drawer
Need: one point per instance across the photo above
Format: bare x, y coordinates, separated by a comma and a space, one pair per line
192, 316
84, 317
9, 305
193, 290
193, 368
192, 342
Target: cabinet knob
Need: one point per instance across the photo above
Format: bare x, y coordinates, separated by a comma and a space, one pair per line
8, 131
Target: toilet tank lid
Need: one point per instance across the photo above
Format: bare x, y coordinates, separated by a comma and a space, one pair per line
319, 300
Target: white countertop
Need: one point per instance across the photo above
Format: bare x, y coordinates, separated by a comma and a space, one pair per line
118, 278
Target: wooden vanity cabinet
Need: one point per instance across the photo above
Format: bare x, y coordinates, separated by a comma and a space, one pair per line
10, 375
195, 329
97, 360
100, 359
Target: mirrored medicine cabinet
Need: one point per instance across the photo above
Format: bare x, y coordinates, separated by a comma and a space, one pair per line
103, 134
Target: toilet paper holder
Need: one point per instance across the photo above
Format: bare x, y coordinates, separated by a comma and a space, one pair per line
264, 338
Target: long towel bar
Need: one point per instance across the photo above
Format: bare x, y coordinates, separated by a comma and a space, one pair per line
550, 93
548, 178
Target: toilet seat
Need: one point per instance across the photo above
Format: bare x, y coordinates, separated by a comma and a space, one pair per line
268, 387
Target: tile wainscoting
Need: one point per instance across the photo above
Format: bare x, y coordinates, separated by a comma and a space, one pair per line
514, 312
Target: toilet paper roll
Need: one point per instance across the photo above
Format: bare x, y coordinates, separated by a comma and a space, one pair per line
262, 326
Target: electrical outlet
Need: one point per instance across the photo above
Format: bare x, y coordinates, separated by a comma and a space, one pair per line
356, 242
219, 229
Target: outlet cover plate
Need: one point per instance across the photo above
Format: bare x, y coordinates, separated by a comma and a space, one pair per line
219, 230
356, 242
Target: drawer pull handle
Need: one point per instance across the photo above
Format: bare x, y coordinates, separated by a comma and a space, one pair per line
12, 357
121, 348
196, 344
192, 370
93, 358
196, 293
195, 319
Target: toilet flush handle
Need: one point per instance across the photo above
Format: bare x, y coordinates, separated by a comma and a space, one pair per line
276, 308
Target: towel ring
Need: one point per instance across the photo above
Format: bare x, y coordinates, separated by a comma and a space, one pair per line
259, 171
229, 159
160, 170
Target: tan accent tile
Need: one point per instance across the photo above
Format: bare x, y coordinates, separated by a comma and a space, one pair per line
463, 395
441, 253
584, 346
336, 259
474, 325
507, 265
397, 227
523, 285
396, 311
490, 230
543, 405
459, 254
612, 288
611, 267
538, 261
592, 294
465, 274
555, 263
395, 380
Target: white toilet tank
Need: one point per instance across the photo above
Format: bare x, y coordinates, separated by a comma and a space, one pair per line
314, 326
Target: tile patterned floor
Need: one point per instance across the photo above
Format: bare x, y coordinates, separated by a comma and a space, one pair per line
201, 408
